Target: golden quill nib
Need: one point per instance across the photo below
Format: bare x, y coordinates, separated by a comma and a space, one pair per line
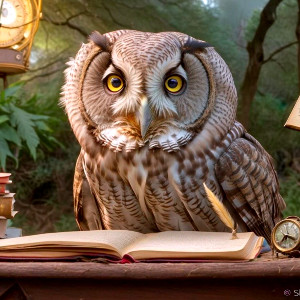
221, 211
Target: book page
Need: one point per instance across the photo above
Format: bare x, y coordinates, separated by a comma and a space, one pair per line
188, 244
115, 240
294, 119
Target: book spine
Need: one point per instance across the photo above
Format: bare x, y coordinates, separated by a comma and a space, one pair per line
6, 208
2, 188
3, 180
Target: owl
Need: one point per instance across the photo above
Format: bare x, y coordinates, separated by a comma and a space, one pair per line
154, 114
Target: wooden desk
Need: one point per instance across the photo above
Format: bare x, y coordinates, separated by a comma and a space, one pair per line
264, 278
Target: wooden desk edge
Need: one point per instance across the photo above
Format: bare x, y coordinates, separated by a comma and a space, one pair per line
281, 268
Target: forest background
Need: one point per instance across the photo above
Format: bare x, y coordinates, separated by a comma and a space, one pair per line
37, 144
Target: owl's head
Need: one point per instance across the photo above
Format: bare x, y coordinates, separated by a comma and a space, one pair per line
126, 89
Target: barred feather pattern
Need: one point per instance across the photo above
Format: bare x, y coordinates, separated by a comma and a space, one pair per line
157, 190
155, 183
247, 176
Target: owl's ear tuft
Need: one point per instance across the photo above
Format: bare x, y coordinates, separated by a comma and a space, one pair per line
192, 45
100, 40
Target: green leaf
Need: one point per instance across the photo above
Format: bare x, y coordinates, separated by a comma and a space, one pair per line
12, 89
23, 123
32, 102
38, 117
50, 142
10, 134
5, 109
25, 128
3, 119
53, 140
43, 126
4, 152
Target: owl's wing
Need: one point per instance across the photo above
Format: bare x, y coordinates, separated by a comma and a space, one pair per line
85, 205
249, 181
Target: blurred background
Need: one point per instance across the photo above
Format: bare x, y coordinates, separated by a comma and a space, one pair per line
37, 144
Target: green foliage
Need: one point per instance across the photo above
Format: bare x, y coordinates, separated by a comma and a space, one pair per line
66, 223
19, 128
268, 115
279, 75
44, 190
290, 191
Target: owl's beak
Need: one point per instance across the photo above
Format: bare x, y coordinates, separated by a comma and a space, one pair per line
144, 116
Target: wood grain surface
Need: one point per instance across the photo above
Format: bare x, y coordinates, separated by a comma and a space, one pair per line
263, 278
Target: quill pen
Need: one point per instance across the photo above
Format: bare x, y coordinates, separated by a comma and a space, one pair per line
221, 211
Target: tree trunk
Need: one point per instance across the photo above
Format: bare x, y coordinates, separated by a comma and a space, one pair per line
256, 59
298, 39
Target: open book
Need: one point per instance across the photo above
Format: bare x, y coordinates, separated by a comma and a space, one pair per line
293, 120
131, 246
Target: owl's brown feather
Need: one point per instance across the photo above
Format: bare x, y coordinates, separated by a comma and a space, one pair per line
152, 179
85, 207
247, 176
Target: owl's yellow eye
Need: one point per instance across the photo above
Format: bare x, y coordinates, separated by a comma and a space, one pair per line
174, 84
114, 83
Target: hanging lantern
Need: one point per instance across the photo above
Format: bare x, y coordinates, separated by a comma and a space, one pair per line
19, 20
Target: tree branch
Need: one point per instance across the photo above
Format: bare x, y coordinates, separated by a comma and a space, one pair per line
256, 58
50, 63
43, 75
67, 22
124, 3
279, 50
113, 18
279, 64
166, 2
46, 66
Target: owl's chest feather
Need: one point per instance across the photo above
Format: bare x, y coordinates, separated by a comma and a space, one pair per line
169, 186
166, 188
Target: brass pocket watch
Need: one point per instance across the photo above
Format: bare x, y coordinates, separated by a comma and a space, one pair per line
286, 236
